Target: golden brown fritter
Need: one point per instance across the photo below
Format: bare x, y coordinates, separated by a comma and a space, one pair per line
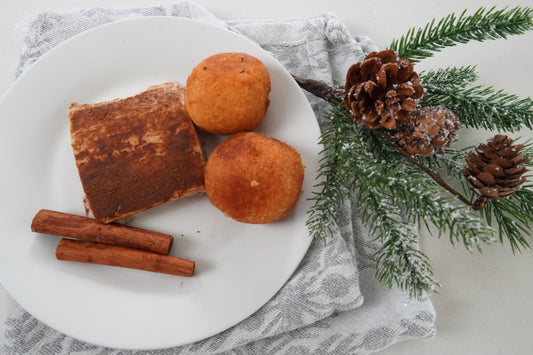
254, 178
228, 93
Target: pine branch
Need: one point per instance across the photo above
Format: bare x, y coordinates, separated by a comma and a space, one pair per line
346, 168
332, 191
482, 107
401, 263
421, 199
382, 187
483, 25
436, 177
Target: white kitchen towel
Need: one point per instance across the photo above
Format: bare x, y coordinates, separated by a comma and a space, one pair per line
332, 303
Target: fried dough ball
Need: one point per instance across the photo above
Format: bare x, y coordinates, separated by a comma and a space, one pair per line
228, 93
254, 178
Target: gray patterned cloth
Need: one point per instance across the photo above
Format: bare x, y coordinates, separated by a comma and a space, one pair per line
333, 303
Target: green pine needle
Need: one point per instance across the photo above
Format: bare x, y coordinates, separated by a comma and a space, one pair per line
449, 77
483, 25
482, 107
514, 218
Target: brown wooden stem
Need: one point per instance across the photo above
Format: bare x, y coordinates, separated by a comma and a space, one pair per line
319, 89
332, 96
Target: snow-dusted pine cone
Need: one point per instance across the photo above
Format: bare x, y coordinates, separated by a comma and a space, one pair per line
382, 90
429, 130
495, 169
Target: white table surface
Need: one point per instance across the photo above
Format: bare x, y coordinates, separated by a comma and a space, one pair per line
485, 305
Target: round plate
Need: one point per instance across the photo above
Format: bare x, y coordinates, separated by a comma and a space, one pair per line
239, 266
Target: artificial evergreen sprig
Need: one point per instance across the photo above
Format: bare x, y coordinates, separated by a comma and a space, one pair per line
396, 192
483, 25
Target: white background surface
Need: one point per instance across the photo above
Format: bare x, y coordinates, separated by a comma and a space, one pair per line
485, 304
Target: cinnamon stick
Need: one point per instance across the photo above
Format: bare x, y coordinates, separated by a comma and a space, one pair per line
84, 228
112, 255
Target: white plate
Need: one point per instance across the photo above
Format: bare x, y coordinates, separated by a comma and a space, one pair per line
239, 266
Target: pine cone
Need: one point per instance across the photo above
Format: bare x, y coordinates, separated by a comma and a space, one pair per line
429, 130
495, 169
382, 90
